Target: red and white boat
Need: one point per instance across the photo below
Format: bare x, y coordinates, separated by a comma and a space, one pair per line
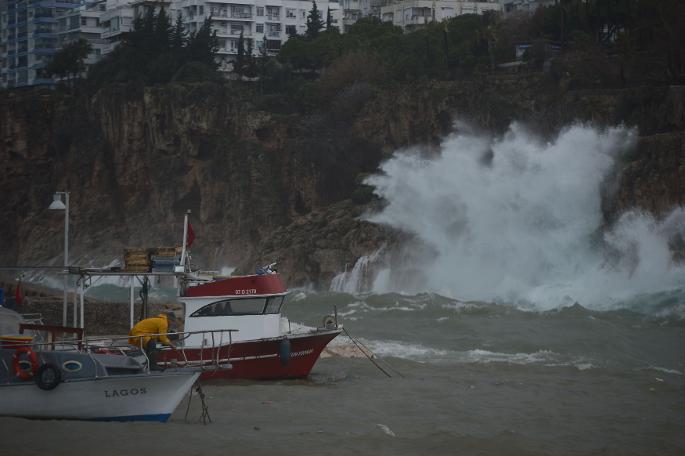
264, 346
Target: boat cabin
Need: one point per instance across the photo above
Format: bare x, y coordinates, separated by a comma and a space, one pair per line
251, 304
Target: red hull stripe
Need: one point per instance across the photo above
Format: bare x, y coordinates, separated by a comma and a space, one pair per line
240, 286
259, 360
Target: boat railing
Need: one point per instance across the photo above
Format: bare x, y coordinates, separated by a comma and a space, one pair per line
119, 345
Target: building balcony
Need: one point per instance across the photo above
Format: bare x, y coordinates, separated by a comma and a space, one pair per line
273, 17
111, 33
273, 33
416, 20
232, 34
91, 29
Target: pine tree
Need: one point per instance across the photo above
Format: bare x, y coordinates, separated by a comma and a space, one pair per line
314, 22
178, 34
163, 30
203, 45
240, 61
328, 19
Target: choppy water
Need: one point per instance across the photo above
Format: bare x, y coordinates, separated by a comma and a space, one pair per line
475, 379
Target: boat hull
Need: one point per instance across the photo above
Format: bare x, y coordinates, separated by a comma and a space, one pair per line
292, 356
140, 397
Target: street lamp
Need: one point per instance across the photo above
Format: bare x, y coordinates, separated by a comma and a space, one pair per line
58, 205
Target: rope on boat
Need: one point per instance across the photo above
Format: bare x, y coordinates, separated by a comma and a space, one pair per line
365, 350
204, 417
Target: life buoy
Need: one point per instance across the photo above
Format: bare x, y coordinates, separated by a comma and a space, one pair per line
25, 374
48, 377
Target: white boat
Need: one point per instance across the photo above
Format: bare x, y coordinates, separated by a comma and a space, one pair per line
88, 387
68, 383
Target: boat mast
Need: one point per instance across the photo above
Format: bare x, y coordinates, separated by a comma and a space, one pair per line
184, 252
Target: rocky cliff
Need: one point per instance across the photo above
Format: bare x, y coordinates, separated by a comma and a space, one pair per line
267, 183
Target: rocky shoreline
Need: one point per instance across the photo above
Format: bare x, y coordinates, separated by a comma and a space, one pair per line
264, 185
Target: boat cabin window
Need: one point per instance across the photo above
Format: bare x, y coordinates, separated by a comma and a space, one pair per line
241, 306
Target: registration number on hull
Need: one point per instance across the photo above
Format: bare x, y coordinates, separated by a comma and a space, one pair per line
248, 291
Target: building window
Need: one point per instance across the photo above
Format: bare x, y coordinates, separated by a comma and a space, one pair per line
260, 11
236, 29
290, 13
290, 30
273, 12
242, 11
259, 28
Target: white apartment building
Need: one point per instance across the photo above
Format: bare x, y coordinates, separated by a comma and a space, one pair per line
353, 10
413, 14
31, 31
524, 6
266, 23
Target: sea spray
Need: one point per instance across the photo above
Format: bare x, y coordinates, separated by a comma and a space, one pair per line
359, 278
518, 219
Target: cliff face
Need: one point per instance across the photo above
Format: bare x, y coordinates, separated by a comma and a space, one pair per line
266, 186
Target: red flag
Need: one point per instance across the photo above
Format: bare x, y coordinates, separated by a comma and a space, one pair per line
191, 235
18, 296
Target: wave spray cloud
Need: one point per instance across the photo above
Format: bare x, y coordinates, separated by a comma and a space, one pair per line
517, 219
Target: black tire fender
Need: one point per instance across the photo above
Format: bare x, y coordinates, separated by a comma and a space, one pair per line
48, 377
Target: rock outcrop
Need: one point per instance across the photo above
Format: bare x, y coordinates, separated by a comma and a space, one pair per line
270, 184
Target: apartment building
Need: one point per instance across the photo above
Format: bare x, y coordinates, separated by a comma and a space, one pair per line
413, 14
524, 6
353, 10
262, 23
31, 31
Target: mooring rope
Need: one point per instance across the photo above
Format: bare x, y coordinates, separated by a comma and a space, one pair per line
205, 408
358, 345
190, 398
204, 417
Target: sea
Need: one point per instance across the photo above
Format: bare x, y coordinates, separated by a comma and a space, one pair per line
515, 322
450, 378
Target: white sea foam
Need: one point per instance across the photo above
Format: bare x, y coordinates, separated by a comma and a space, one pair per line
397, 349
386, 430
516, 219
485, 356
665, 370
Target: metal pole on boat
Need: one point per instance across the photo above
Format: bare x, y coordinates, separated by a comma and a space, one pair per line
57, 204
75, 325
132, 300
83, 311
185, 239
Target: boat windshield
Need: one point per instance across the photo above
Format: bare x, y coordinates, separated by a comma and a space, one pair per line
241, 306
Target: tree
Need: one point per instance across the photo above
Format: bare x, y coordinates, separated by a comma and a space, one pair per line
68, 61
178, 34
314, 22
240, 60
203, 44
163, 30
329, 20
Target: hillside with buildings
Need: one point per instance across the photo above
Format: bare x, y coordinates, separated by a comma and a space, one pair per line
272, 164
31, 31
